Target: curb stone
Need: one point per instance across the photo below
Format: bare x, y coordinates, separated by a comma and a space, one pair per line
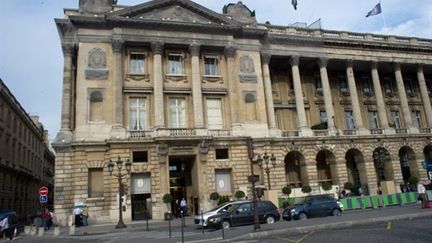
337, 225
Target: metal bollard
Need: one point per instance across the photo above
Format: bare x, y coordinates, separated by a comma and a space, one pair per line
182, 225
223, 230
169, 226
202, 221
147, 223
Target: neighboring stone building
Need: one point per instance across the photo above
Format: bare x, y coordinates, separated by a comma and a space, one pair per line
177, 88
25, 155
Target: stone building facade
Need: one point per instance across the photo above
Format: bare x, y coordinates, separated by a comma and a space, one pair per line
25, 158
177, 89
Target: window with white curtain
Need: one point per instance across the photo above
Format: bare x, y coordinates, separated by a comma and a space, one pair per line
136, 65
318, 84
349, 120
211, 65
175, 63
367, 86
373, 119
137, 113
416, 118
388, 85
214, 113
141, 183
395, 119
409, 88
177, 112
223, 181
343, 85
323, 116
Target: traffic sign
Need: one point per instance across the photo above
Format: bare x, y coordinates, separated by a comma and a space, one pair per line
43, 191
43, 199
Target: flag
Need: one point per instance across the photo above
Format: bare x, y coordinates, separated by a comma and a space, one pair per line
294, 3
375, 11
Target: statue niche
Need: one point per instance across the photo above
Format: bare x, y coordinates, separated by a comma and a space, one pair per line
96, 68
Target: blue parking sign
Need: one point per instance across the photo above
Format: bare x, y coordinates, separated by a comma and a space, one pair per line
43, 199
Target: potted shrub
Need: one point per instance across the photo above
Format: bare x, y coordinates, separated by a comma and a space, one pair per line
167, 199
214, 196
306, 189
239, 194
287, 191
223, 199
326, 186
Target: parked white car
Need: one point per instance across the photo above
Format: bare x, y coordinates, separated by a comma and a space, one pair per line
206, 215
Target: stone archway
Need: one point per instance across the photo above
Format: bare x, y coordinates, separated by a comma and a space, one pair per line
324, 161
382, 163
355, 167
293, 169
427, 152
408, 163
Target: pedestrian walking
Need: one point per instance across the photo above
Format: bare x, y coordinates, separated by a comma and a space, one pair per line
6, 229
85, 216
183, 206
46, 216
78, 215
421, 190
380, 198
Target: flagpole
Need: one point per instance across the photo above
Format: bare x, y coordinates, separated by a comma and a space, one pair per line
383, 18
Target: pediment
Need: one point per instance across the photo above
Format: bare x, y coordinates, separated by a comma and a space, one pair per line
180, 11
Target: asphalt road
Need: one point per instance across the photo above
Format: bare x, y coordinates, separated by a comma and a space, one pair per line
412, 231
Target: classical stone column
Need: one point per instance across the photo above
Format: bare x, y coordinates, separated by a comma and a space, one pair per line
68, 51
382, 114
117, 47
354, 98
265, 57
424, 95
196, 87
328, 100
301, 113
159, 111
230, 52
406, 113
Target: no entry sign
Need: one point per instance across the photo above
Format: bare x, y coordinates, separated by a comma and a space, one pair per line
43, 191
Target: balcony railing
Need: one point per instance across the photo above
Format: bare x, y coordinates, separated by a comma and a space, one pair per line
219, 133
320, 133
401, 131
139, 134
293, 133
376, 131
350, 132
181, 132
425, 130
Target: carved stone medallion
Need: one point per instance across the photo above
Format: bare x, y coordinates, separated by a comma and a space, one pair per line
96, 69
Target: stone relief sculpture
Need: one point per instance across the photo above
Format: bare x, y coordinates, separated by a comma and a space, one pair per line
247, 70
96, 68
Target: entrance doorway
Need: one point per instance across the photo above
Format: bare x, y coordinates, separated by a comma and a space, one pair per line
180, 179
141, 206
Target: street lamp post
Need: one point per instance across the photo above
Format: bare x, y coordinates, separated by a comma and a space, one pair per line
120, 176
252, 178
267, 169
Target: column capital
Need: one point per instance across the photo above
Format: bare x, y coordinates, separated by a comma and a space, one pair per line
374, 64
322, 62
230, 51
294, 60
349, 63
194, 49
397, 66
68, 49
265, 57
117, 45
157, 48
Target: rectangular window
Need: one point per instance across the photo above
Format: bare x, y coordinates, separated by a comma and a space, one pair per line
373, 119
223, 181
343, 85
323, 116
222, 153
388, 86
214, 114
140, 183
137, 113
139, 156
175, 63
367, 86
416, 119
409, 87
349, 120
95, 182
177, 112
318, 84
395, 119
211, 66
136, 65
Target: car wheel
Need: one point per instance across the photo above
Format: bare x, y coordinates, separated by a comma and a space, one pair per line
226, 224
270, 220
336, 212
302, 216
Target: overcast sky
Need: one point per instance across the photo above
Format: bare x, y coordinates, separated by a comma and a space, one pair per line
31, 60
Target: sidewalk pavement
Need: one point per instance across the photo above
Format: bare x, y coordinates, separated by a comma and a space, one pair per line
347, 219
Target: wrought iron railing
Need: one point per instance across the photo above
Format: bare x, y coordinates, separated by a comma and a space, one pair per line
292, 133
219, 133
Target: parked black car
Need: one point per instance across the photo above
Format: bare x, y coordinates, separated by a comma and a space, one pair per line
313, 206
243, 214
